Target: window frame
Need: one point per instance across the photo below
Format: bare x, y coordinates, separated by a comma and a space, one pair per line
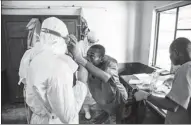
176, 5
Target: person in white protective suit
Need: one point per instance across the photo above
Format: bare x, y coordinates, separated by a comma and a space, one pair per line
89, 40
47, 72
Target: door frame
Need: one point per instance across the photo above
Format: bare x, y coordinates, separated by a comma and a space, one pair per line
27, 18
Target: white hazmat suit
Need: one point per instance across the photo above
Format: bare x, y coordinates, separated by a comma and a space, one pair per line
47, 73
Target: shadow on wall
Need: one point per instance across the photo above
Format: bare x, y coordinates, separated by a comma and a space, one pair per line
118, 29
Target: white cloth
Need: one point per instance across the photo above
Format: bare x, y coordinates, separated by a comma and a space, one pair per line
48, 73
84, 46
53, 78
34, 27
92, 36
181, 94
24, 64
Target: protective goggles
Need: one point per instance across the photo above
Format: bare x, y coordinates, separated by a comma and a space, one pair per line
45, 30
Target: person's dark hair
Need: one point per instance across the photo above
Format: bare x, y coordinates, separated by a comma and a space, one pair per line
182, 47
100, 48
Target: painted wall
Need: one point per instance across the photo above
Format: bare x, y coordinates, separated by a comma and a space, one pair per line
116, 23
123, 27
126, 29
146, 33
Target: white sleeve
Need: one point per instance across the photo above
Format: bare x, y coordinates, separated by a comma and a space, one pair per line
65, 100
80, 92
24, 64
181, 87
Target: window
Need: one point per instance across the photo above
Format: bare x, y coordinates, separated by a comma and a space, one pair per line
171, 22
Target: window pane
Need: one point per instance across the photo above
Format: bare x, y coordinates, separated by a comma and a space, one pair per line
184, 33
165, 37
184, 17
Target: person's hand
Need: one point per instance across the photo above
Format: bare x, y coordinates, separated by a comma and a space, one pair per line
73, 48
141, 95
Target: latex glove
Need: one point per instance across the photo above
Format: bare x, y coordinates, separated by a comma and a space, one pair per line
73, 48
141, 95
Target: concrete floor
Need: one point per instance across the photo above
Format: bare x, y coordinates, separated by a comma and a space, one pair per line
152, 117
16, 114
13, 114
